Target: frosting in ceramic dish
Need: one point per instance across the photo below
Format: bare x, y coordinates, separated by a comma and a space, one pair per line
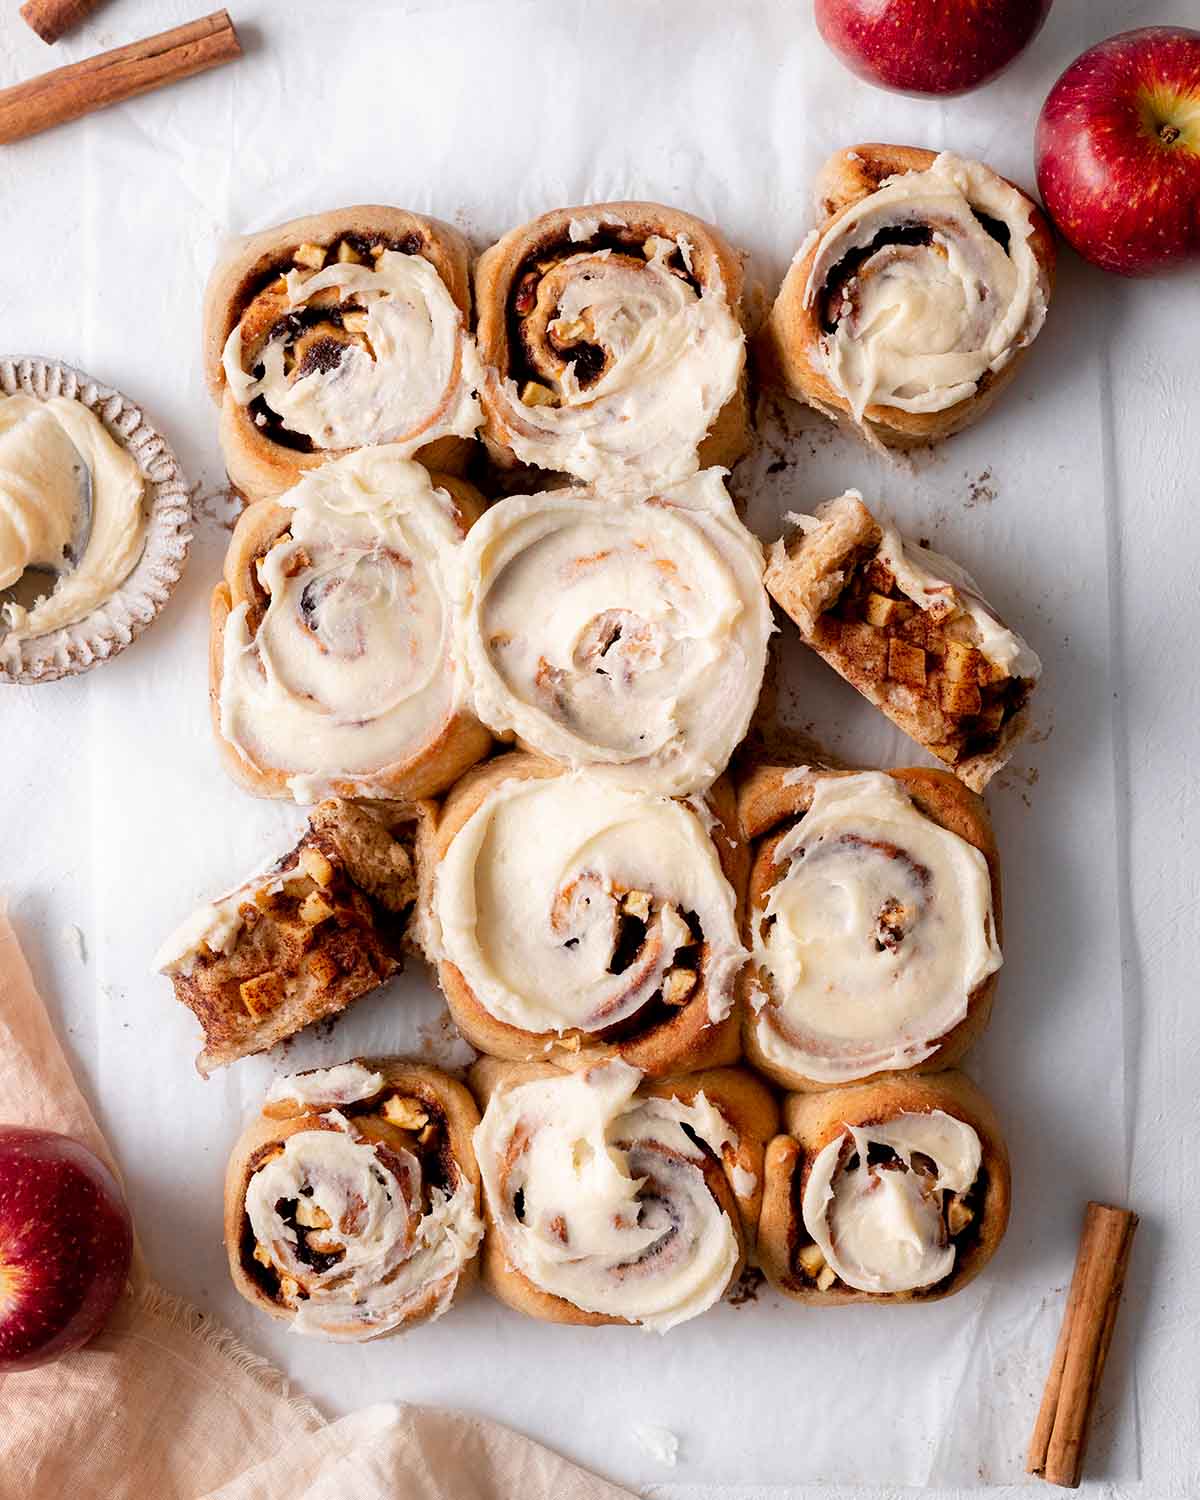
382, 1253
673, 360
877, 930
530, 899
600, 1195
925, 315
407, 377
881, 1225
616, 632
351, 669
46, 450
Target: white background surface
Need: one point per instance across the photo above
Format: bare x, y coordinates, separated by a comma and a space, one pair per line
1073, 503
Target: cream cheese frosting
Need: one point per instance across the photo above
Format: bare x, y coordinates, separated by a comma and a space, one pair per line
527, 903
413, 378
47, 450
345, 1083
618, 632
919, 324
675, 358
873, 937
387, 1251
880, 1225
352, 669
600, 1196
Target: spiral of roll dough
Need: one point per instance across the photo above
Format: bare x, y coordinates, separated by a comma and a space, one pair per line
875, 1199
608, 1199
348, 678
877, 927
354, 1239
612, 343
569, 903
349, 354
924, 286
622, 633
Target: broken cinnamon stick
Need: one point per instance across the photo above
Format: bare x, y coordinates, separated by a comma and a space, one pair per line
54, 18
1056, 1451
67, 93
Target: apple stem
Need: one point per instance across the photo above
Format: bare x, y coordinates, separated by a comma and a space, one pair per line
1168, 134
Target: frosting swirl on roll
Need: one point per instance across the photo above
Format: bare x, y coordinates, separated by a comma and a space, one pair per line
877, 1197
632, 364
873, 937
605, 1198
616, 632
350, 669
355, 1238
350, 354
570, 903
925, 286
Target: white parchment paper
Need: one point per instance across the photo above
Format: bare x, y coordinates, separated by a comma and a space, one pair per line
486, 114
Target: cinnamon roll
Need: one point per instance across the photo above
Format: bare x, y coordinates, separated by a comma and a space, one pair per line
333, 666
622, 633
873, 919
352, 1203
322, 926
612, 345
336, 331
911, 306
895, 1191
572, 918
609, 1200
911, 631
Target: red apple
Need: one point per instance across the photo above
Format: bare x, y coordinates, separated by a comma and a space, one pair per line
1118, 151
929, 46
66, 1243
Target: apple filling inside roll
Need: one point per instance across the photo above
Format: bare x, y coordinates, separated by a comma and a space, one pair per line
357, 1219
613, 1201
872, 926
359, 342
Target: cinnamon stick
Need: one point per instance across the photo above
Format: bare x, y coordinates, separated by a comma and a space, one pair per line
53, 18
67, 93
1059, 1442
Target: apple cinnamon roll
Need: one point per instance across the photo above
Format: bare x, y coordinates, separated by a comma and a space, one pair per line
338, 331
574, 919
324, 925
911, 631
873, 919
895, 1191
352, 1203
911, 306
333, 665
609, 1200
612, 345
622, 633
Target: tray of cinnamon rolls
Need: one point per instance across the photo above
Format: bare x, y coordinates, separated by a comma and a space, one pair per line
492, 617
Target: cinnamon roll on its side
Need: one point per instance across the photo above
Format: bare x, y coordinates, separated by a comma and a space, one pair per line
324, 925
352, 1203
339, 330
333, 665
612, 345
912, 305
873, 919
895, 1191
911, 631
620, 632
574, 919
608, 1200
